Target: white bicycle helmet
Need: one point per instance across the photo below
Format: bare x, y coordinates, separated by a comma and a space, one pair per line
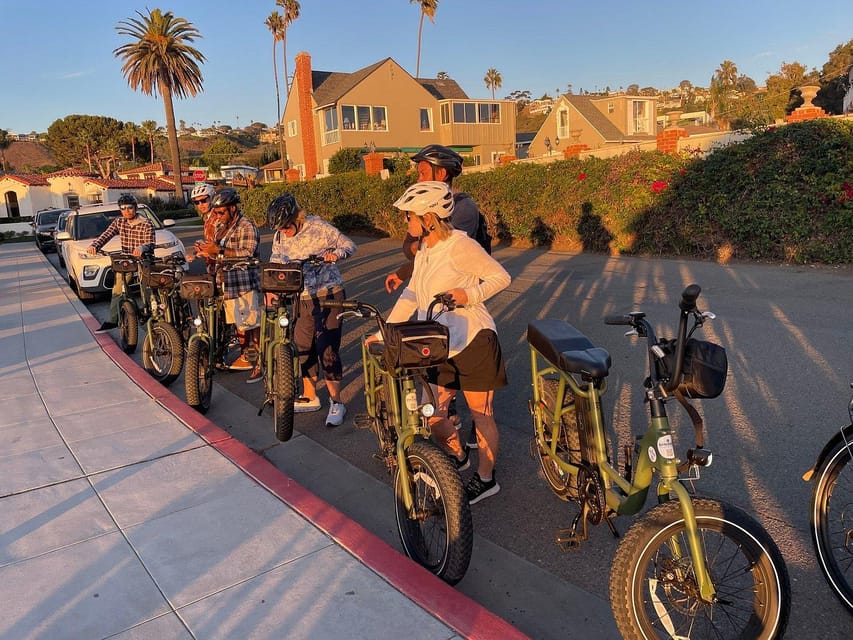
423, 197
201, 190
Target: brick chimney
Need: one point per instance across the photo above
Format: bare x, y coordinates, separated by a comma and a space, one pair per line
306, 113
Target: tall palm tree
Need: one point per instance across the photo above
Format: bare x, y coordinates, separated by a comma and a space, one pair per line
727, 73
132, 132
5, 143
291, 13
493, 80
428, 9
275, 23
148, 130
160, 59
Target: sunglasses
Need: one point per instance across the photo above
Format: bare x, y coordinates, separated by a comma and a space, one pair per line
201, 201
127, 207
220, 212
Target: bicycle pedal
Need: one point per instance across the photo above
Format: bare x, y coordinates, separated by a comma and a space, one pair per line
362, 421
569, 539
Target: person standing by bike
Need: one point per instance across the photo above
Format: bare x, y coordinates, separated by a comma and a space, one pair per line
135, 233
239, 239
449, 261
317, 331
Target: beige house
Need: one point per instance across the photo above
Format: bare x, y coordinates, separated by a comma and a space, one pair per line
578, 123
384, 108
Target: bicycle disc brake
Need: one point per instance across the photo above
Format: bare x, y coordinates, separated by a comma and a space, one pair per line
592, 509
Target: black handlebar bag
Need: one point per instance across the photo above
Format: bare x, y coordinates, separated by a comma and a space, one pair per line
416, 344
703, 373
281, 277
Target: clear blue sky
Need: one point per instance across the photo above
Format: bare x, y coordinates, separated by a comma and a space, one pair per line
57, 55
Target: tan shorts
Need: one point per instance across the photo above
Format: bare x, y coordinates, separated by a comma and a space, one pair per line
242, 312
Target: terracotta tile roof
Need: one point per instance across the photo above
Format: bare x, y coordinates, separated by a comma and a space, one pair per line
157, 184
29, 179
71, 173
162, 167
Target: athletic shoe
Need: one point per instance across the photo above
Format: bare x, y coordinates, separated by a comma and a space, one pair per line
256, 376
241, 364
106, 326
337, 411
472, 438
304, 405
464, 462
477, 489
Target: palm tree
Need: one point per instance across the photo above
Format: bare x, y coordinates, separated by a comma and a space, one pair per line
275, 24
161, 60
291, 12
5, 142
148, 130
493, 80
428, 9
132, 133
727, 73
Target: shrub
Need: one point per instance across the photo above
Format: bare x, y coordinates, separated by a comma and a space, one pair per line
347, 159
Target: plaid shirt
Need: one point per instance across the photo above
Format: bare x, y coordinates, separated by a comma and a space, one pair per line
243, 238
131, 236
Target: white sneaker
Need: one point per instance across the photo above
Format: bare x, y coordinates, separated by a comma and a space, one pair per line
304, 405
337, 411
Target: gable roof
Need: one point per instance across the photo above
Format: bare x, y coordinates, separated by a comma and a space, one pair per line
158, 184
28, 179
609, 131
71, 173
443, 89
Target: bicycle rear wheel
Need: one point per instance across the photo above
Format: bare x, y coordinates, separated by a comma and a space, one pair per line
284, 390
163, 353
653, 590
198, 378
832, 521
568, 449
440, 533
128, 326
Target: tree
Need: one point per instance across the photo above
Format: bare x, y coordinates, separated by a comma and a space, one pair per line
148, 130
442, 75
90, 139
220, 152
291, 13
5, 143
727, 73
275, 23
834, 79
632, 90
161, 60
493, 80
132, 133
428, 9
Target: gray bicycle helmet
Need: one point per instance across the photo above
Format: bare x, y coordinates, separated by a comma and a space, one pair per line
439, 156
126, 198
282, 211
225, 198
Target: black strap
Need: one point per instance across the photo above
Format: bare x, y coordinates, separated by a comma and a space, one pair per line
695, 418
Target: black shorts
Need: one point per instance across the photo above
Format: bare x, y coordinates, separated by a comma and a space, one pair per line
478, 367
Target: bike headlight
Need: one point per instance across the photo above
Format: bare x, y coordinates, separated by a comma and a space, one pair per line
197, 322
427, 410
283, 321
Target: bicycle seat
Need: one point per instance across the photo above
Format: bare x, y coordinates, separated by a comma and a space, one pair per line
566, 348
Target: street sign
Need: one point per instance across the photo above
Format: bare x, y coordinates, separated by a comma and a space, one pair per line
199, 176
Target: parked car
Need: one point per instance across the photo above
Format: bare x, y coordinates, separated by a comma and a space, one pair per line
92, 275
60, 227
43, 225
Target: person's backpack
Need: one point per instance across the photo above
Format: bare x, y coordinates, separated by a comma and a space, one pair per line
483, 236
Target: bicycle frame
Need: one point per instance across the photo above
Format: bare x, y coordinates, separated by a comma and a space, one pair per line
276, 328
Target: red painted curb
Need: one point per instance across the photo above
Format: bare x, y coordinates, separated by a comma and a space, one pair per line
464, 615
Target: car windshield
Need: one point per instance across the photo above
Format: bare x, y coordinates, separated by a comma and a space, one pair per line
48, 217
61, 222
91, 225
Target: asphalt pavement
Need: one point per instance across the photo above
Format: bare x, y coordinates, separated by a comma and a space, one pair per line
787, 333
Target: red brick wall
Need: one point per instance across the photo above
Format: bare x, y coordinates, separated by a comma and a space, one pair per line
668, 139
806, 113
306, 113
373, 163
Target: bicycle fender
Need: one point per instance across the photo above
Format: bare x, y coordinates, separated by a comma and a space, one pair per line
843, 434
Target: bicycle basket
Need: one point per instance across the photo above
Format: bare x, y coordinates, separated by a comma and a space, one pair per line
195, 287
416, 344
281, 277
159, 276
703, 374
123, 263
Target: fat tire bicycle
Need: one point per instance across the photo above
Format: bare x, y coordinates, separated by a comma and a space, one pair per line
831, 511
432, 511
690, 567
209, 346
126, 267
169, 324
281, 286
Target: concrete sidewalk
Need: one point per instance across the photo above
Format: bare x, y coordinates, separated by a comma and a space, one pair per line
124, 513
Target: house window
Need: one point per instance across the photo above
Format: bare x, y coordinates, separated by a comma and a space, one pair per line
475, 112
330, 120
563, 123
489, 112
379, 121
291, 129
348, 115
426, 119
97, 197
640, 116
73, 201
364, 118
445, 113
611, 107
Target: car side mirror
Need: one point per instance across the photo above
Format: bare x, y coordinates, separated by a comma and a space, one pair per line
168, 222
63, 235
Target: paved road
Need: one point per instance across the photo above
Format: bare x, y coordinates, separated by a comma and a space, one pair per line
787, 332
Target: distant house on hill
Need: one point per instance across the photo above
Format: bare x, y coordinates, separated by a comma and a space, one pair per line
384, 108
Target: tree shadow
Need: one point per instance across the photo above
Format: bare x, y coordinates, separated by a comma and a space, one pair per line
594, 236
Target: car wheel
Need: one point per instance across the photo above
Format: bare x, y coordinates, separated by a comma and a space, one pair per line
82, 294
61, 261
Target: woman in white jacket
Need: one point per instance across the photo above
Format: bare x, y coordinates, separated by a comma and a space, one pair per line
449, 261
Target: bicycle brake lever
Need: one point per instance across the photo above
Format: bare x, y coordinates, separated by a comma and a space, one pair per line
631, 333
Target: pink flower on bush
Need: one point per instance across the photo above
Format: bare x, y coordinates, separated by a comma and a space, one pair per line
658, 186
682, 171
581, 176
848, 191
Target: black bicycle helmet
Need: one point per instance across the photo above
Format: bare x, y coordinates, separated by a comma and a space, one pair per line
225, 198
126, 198
439, 156
282, 211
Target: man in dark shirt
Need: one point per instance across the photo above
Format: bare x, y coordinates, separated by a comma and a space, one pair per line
135, 233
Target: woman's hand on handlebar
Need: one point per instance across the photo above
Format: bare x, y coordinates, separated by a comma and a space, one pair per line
458, 296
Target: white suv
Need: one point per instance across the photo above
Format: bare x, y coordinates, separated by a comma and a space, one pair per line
90, 275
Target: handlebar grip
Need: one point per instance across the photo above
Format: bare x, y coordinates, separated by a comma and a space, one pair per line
619, 318
339, 304
689, 297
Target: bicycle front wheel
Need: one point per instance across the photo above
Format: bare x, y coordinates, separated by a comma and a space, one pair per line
284, 386
832, 521
128, 326
653, 588
439, 535
163, 353
198, 378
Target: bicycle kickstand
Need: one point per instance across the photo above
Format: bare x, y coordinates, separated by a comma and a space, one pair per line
267, 402
569, 538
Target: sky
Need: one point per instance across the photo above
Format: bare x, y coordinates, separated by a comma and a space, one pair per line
57, 55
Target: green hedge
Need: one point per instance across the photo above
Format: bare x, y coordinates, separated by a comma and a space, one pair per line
785, 195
